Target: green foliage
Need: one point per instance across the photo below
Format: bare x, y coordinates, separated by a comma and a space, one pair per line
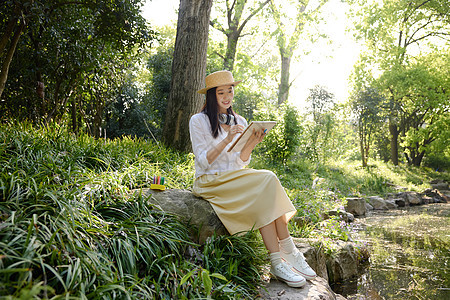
366, 105
70, 229
79, 52
322, 124
237, 258
414, 83
281, 143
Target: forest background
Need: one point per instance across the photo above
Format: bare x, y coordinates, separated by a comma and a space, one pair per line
106, 71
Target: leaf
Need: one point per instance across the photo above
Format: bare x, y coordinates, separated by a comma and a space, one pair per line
186, 277
207, 282
220, 276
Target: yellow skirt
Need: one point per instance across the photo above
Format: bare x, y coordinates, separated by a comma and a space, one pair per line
245, 199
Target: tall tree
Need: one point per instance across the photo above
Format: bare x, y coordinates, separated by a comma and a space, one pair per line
422, 90
366, 106
234, 13
320, 129
393, 30
188, 71
288, 43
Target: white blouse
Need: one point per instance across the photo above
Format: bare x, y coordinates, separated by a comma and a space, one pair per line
203, 141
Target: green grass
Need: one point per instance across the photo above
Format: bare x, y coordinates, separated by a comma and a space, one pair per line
69, 229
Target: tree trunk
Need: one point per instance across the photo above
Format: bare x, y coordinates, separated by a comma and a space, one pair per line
5, 37
188, 72
283, 88
232, 40
9, 56
394, 143
73, 114
363, 156
235, 28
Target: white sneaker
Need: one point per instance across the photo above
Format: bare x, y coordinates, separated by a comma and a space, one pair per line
297, 260
284, 273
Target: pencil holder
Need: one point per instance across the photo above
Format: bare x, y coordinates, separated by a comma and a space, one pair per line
158, 183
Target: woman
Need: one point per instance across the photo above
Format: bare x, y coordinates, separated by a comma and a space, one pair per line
244, 199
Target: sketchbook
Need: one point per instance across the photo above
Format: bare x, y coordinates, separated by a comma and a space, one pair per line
257, 125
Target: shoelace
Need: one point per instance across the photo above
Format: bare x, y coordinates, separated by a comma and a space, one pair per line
300, 257
283, 269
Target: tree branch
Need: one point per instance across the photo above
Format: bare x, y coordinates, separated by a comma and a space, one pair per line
251, 16
414, 9
438, 34
217, 26
229, 11
408, 40
220, 55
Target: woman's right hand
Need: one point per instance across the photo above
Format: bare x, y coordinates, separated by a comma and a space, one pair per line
234, 129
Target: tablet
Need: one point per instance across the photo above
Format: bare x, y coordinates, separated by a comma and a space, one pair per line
257, 125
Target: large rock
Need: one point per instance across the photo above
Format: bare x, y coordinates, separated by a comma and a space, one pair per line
438, 196
314, 256
377, 202
190, 209
413, 198
356, 206
391, 204
341, 214
344, 263
399, 201
317, 289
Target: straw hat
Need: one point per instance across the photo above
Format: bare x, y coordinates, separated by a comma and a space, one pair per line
218, 78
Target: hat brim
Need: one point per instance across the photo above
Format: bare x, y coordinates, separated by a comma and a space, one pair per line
204, 90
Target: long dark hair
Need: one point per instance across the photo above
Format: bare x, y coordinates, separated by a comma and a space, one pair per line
212, 111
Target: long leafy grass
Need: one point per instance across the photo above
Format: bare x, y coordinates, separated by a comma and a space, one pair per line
69, 229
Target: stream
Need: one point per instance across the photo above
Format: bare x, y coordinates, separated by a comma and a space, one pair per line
410, 256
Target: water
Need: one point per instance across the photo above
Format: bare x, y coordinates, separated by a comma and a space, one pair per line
410, 256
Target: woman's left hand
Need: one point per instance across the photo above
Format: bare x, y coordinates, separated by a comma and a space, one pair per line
256, 137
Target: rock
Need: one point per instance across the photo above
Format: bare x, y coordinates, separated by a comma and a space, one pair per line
400, 202
444, 196
314, 289
446, 193
368, 207
343, 215
190, 209
427, 200
439, 184
344, 263
391, 204
314, 256
437, 195
317, 289
356, 206
413, 198
351, 217
377, 202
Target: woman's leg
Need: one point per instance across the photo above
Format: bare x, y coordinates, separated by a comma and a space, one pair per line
289, 252
269, 236
282, 228
273, 233
277, 267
